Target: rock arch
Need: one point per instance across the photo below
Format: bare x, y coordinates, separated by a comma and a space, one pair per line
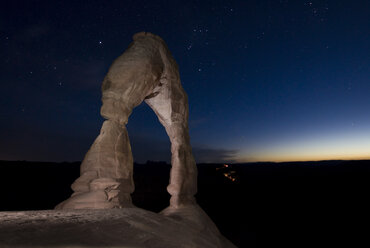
146, 71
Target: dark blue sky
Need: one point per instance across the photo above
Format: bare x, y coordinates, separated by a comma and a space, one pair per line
266, 80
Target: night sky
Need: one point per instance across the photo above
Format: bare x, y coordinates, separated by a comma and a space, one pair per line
266, 80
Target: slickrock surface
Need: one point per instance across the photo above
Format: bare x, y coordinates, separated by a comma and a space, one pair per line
128, 227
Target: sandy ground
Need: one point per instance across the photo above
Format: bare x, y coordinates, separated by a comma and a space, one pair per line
130, 227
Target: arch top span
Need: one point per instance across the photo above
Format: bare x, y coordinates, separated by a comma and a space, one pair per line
146, 34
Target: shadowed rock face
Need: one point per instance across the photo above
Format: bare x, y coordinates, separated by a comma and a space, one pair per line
146, 71
188, 226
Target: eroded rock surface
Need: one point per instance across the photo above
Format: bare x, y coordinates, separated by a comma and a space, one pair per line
119, 228
146, 71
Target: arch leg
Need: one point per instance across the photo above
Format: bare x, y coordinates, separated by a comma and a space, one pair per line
171, 107
106, 179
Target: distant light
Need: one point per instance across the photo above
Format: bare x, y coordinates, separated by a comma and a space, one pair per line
230, 175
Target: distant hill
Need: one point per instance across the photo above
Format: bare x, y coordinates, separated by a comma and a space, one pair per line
240, 198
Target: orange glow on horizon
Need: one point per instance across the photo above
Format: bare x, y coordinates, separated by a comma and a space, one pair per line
337, 148
298, 159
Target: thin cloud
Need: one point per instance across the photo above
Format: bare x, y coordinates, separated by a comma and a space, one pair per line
159, 150
214, 155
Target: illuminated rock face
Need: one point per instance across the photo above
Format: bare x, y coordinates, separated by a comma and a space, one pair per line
188, 226
146, 71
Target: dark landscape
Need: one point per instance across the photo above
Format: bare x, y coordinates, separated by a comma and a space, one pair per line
242, 199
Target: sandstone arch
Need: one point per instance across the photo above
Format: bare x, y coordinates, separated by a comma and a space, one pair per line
146, 71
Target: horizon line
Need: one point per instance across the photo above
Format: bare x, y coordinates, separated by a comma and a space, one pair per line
224, 162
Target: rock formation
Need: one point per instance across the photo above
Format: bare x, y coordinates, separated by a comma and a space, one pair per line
119, 228
146, 71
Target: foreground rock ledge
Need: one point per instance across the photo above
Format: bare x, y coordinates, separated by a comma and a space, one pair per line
129, 227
